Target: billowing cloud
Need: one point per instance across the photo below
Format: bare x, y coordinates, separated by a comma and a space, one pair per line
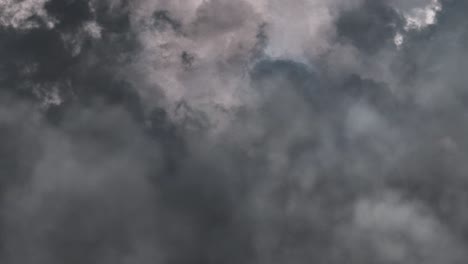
24, 14
216, 131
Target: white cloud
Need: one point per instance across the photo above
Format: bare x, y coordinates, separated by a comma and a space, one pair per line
93, 29
398, 39
17, 14
418, 14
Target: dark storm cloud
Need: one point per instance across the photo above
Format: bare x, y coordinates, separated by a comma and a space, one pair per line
370, 26
69, 14
158, 131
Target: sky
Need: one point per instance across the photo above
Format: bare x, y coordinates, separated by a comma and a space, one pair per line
233, 131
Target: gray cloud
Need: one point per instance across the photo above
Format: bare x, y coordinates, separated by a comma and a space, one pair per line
156, 131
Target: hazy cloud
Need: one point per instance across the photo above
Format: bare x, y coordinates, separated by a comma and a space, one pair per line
157, 131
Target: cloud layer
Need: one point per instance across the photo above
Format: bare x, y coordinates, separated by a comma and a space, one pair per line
167, 131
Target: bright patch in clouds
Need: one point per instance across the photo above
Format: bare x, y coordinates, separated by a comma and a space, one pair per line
17, 14
419, 18
399, 39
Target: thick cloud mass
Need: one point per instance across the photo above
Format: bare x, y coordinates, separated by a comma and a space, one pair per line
220, 131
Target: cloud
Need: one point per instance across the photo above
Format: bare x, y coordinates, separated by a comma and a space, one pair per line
156, 131
24, 14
